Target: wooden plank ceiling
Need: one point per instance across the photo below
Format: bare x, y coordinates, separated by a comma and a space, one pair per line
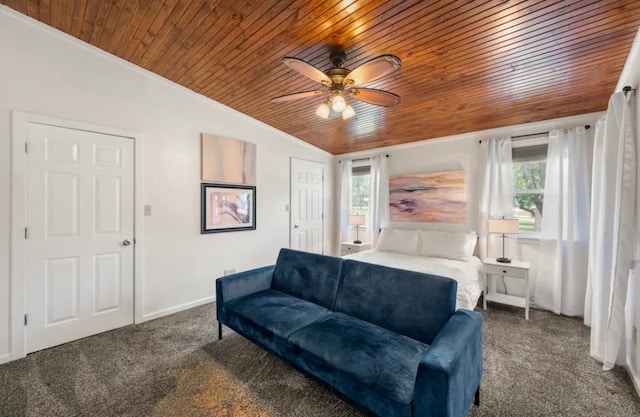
466, 65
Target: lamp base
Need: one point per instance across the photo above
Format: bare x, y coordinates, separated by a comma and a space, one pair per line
357, 242
504, 260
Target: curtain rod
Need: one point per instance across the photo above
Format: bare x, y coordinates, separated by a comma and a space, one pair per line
361, 159
536, 134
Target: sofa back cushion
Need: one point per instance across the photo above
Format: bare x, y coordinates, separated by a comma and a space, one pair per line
308, 276
411, 303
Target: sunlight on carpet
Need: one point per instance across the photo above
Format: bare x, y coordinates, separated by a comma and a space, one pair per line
212, 391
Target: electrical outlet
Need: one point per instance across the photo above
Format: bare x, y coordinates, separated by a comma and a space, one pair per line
229, 271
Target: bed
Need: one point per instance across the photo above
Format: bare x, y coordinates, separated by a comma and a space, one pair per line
448, 254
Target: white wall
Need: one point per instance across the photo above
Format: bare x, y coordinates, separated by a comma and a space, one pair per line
461, 151
631, 77
45, 72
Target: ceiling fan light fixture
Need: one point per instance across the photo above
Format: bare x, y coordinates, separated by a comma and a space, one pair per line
323, 111
338, 83
348, 112
338, 103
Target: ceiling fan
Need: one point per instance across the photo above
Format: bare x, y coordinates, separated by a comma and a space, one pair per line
341, 83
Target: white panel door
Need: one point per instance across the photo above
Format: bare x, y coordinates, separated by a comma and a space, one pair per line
307, 202
79, 234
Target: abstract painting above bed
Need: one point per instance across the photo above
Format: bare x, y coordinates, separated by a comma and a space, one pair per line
430, 197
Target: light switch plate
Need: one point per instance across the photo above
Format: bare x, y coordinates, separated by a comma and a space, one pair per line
147, 210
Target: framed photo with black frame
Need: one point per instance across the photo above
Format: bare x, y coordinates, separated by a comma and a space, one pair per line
227, 208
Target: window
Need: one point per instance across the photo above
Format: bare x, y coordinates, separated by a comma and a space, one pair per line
360, 189
529, 168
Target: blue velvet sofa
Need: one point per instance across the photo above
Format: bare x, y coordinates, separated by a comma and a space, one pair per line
390, 340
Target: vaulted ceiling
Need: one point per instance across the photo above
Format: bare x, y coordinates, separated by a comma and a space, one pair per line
466, 65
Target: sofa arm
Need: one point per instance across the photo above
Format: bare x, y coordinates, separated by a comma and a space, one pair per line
450, 371
238, 285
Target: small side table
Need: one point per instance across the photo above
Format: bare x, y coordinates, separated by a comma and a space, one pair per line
347, 248
515, 269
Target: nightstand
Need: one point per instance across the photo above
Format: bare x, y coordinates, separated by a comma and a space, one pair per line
516, 269
347, 248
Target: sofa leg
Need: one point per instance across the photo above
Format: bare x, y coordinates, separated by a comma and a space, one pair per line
220, 332
476, 400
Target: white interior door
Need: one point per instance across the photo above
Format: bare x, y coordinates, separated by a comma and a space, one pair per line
307, 202
79, 219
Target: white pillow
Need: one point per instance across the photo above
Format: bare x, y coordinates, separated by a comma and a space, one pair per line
399, 241
450, 245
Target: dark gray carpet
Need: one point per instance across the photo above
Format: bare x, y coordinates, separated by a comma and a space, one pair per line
174, 366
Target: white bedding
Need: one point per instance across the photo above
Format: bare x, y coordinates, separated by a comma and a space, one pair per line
466, 273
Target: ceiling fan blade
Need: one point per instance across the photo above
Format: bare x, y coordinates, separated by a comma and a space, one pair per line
372, 70
307, 70
295, 96
377, 97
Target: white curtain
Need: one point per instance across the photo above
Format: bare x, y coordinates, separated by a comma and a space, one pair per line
612, 267
345, 201
378, 198
496, 199
561, 281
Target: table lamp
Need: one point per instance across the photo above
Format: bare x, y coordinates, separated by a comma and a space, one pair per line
504, 227
357, 220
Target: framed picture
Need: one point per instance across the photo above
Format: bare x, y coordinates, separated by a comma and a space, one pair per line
228, 208
439, 197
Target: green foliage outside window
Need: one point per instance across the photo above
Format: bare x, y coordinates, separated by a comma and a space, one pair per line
360, 194
528, 194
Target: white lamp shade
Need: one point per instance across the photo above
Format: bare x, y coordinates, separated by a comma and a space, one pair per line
356, 219
348, 112
338, 104
323, 111
503, 226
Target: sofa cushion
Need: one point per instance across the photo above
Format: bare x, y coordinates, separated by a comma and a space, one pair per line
279, 313
350, 386
411, 303
385, 361
308, 276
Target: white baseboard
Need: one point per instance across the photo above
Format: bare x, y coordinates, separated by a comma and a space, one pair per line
635, 378
171, 310
147, 317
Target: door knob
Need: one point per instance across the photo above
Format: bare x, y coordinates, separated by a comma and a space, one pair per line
126, 242
295, 226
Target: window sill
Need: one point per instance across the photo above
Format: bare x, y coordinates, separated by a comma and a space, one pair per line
529, 238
